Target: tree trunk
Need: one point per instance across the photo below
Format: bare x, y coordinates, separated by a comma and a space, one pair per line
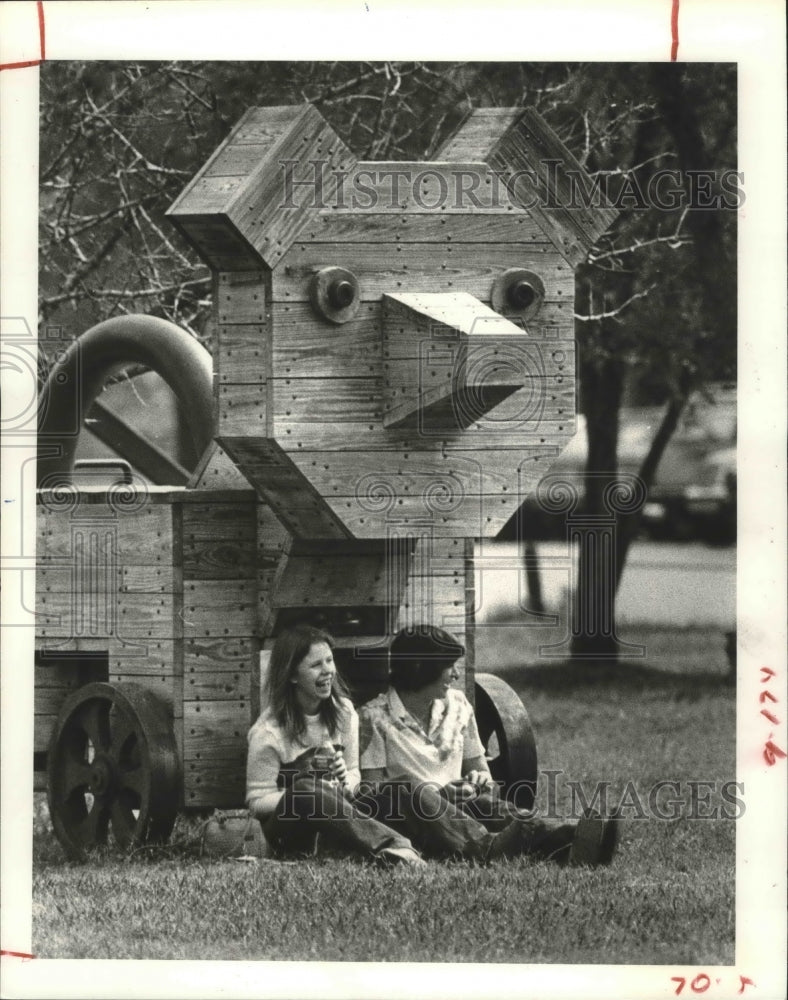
628, 525
602, 385
533, 578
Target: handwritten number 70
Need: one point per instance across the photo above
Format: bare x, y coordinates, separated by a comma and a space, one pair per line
699, 984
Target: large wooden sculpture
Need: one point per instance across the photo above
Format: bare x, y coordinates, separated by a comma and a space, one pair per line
394, 371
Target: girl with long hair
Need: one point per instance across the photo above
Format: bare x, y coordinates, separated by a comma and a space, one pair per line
302, 769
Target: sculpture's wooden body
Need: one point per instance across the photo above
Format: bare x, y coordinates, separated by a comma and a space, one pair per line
361, 447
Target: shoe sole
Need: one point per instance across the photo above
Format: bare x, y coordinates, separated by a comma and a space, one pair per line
595, 841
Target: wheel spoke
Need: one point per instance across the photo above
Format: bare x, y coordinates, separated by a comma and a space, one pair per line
132, 780
123, 732
93, 828
112, 769
73, 776
93, 717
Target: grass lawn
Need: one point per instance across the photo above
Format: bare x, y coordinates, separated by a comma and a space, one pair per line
668, 897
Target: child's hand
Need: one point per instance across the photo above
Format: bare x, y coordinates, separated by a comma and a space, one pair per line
461, 790
339, 768
479, 778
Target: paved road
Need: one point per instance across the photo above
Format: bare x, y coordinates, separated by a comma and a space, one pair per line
663, 583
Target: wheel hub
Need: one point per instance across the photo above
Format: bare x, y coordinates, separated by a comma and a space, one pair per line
102, 775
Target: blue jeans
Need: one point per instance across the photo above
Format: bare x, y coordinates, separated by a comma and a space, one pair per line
310, 806
470, 829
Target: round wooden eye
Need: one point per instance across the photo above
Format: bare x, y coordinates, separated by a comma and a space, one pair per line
517, 292
341, 294
521, 294
334, 294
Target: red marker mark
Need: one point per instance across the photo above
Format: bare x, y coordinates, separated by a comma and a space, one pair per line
767, 694
772, 718
32, 62
769, 673
771, 752
745, 982
674, 31
25, 956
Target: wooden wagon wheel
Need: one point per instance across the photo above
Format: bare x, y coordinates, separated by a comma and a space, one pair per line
112, 765
505, 731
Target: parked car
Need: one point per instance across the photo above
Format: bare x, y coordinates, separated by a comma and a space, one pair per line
694, 491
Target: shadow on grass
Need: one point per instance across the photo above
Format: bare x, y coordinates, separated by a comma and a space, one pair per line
577, 675
682, 663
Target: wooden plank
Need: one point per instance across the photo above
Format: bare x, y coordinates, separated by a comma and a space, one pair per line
178, 514
216, 241
301, 347
60, 579
223, 686
475, 516
333, 581
145, 615
438, 557
216, 470
216, 608
268, 212
242, 352
238, 159
240, 299
273, 538
154, 657
186, 203
436, 407
219, 560
92, 614
218, 655
331, 226
533, 409
515, 432
461, 473
156, 579
243, 408
531, 141
93, 647
436, 188
219, 541
216, 783
265, 124
417, 267
216, 730
418, 328
154, 497
137, 536
207, 196
297, 506
355, 399
244, 495
477, 134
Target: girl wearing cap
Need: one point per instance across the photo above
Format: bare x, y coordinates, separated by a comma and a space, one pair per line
302, 767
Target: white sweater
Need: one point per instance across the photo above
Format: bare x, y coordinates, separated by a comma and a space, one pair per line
270, 750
